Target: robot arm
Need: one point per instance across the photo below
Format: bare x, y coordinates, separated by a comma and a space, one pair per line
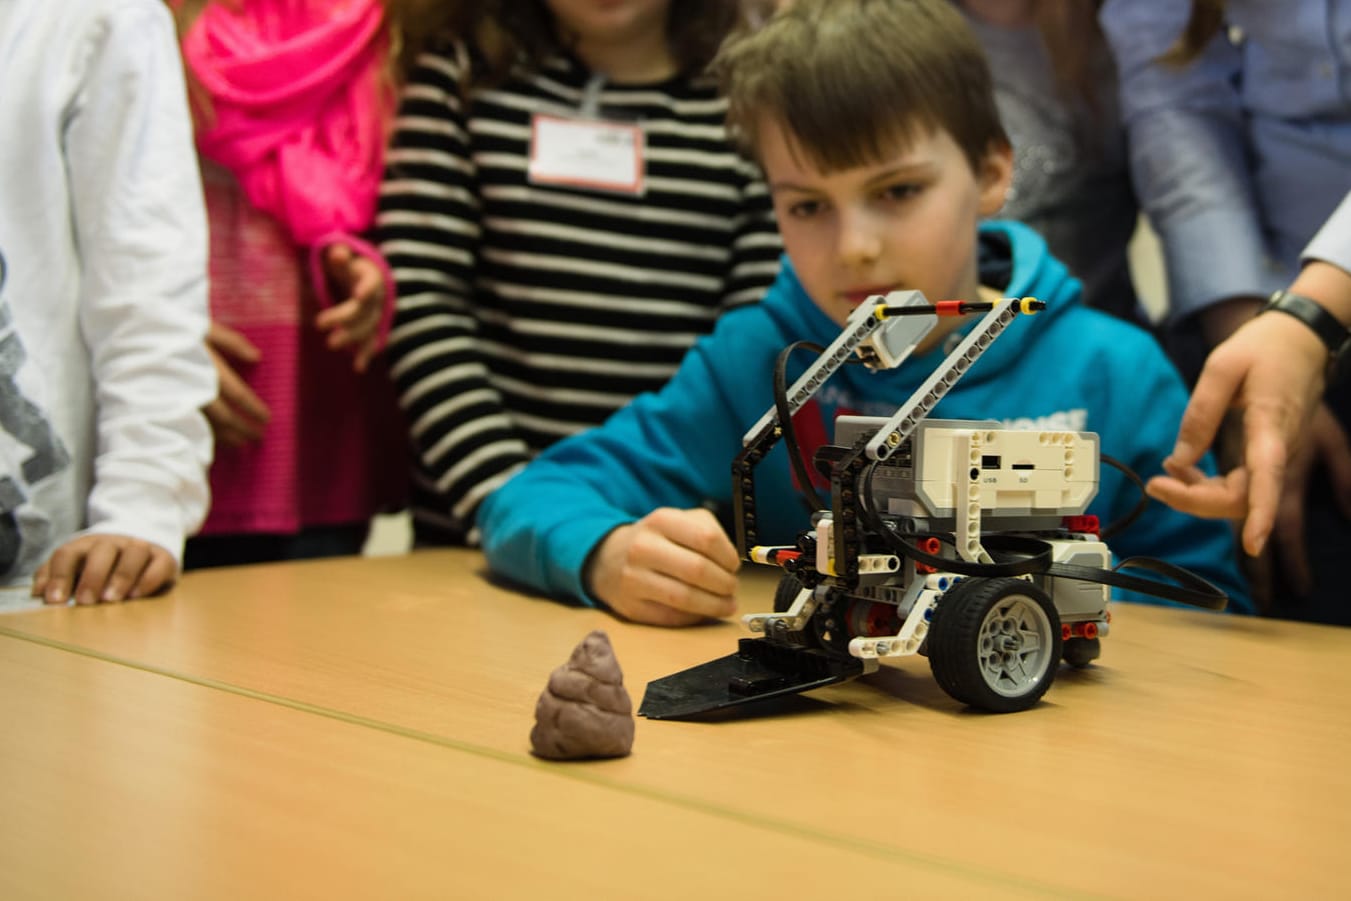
872, 576
880, 338
882, 332
845, 504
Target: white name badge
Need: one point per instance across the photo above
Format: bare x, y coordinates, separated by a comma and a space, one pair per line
587, 153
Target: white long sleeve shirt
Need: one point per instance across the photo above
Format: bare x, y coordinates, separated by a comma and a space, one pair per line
1333, 241
103, 311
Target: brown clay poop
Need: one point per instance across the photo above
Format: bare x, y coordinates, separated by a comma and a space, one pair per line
585, 710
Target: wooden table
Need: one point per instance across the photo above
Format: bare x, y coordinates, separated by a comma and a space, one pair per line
360, 728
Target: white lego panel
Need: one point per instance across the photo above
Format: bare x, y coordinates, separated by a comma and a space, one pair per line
1074, 599
1022, 472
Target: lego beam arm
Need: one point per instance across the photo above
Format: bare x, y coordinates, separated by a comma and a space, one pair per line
902, 424
883, 336
881, 341
892, 434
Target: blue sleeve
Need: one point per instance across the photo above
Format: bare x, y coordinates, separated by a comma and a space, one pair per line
1144, 403
1187, 138
669, 449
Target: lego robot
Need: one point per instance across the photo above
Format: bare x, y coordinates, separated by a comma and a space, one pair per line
961, 540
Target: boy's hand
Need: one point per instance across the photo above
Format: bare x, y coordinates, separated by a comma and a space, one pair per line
103, 568
671, 568
237, 415
353, 321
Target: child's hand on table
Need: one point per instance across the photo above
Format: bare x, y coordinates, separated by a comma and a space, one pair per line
670, 568
103, 567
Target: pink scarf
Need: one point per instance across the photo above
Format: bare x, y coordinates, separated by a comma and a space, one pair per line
298, 106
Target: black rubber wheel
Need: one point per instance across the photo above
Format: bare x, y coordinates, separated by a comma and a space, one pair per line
995, 643
1080, 652
815, 633
786, 593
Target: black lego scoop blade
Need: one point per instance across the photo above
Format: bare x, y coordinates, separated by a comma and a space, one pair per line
759, 671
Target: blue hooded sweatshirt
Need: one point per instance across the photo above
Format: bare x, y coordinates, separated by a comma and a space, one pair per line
1068, 367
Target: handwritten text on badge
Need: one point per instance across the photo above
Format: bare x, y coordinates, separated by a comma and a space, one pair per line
605, 156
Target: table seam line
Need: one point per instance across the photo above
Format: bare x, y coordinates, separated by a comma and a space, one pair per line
868, 848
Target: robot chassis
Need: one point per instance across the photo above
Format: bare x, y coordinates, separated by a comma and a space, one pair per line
904, 560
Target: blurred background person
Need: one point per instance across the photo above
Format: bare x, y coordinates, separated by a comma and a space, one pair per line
565, 216
103, 372
1239, 125
1055, 84
293, 103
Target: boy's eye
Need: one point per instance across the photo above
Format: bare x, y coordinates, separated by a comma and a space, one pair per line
901, 191
804, 209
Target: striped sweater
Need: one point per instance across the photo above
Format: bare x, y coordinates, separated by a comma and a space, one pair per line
529, 312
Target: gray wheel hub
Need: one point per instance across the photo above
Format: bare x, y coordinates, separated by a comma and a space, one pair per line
1013, 645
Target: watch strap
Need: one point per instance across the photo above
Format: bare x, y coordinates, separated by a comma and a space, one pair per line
1329, 329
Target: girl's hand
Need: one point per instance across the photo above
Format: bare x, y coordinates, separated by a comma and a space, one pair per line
671, 568
354, 320
99, 567
237, 415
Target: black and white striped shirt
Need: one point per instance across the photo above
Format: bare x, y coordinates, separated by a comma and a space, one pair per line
528, 312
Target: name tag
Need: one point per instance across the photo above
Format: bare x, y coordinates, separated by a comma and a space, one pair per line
586, 153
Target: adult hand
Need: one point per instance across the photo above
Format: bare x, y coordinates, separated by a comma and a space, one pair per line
354, 320
102, 567
1272, 369
1326, 443
237, 415
671, 568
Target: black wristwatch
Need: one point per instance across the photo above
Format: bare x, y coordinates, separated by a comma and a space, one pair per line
1327, 327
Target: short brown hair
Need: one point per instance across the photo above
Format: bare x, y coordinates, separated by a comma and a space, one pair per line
847, 79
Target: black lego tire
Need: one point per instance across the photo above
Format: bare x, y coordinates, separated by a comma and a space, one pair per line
1080, 652
786, 592
975, 614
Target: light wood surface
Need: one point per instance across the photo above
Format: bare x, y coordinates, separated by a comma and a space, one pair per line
123, 784
1204, 755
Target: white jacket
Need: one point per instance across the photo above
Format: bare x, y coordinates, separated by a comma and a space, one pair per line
103, 310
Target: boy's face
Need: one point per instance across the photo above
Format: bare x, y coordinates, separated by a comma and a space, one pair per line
907, 221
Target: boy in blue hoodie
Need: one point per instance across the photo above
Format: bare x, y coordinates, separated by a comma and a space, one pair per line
875, 123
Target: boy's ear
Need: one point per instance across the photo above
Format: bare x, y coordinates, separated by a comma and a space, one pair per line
995, 177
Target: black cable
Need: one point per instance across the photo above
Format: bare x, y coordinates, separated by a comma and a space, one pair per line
1191, 588
1015, 555
1032, 556
1029, 555
795, 459
1123, 522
